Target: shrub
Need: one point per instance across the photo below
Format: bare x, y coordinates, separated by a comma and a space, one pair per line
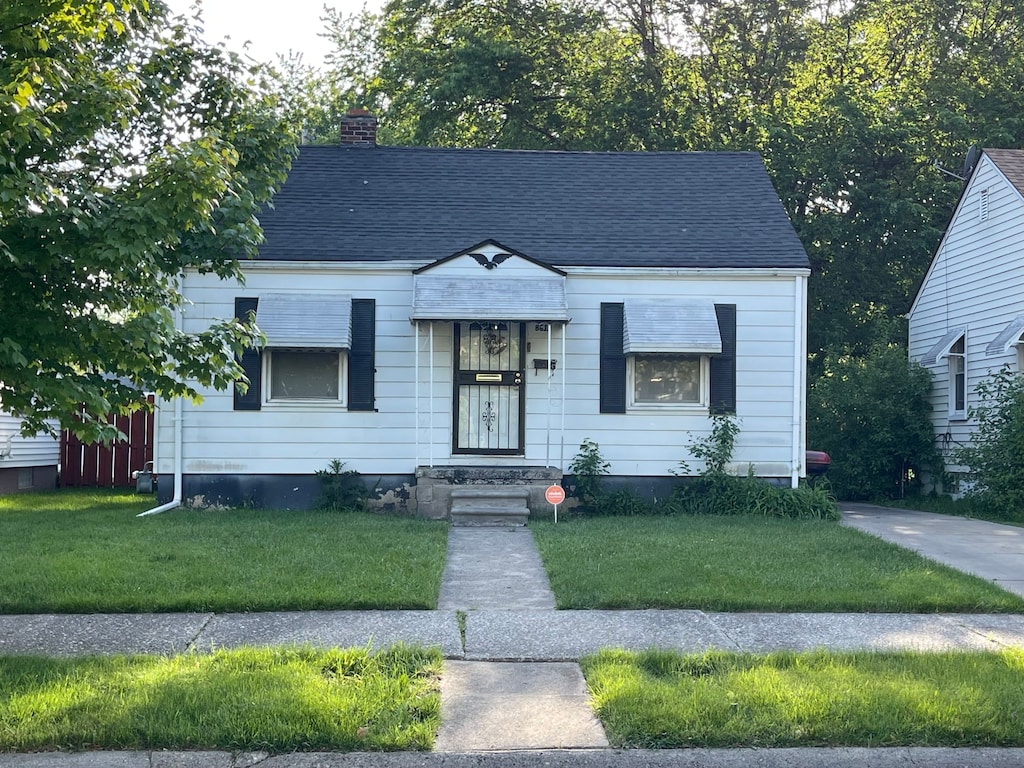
997, 445
341, 489
721, 494
588, 468
716, 449
872, 417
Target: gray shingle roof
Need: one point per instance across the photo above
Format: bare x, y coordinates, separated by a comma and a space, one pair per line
1011, 163
658, 209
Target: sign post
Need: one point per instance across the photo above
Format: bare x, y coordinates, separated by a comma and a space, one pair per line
555, 495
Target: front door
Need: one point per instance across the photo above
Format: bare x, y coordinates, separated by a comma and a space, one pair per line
489, 398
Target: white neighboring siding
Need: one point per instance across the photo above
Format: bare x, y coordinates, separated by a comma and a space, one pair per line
300, 440
976, 281
39, 451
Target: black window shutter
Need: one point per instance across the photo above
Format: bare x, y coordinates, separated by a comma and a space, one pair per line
723, 366
361, 356
252, 363
613, 361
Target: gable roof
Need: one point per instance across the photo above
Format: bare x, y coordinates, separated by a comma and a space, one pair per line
1011, 163
654, 209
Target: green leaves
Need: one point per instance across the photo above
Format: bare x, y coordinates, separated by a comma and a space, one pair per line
132, 153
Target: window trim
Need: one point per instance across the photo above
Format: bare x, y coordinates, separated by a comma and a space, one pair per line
305, 402
704, 384
956, 360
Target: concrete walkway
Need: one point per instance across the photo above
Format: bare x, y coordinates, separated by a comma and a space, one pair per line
496, 608
989, 550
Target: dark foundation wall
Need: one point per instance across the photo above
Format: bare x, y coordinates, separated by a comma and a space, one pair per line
388, 493
26, 479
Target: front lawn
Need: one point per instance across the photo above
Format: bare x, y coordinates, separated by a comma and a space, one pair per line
274, 699
87, 552
746, 563
717, 699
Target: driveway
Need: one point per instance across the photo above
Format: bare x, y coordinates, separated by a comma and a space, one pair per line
992, 551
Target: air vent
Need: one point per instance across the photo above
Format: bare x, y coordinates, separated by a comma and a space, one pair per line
983, 205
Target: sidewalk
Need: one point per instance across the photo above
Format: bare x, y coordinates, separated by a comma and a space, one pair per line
496, 607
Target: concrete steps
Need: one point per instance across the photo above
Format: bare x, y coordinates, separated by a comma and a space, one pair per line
490, 505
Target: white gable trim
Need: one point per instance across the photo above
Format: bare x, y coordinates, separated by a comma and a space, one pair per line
941, 348
964, 196
306, 321
1007, 337
670, 325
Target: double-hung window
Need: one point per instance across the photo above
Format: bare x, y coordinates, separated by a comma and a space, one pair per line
957, 380
304, 375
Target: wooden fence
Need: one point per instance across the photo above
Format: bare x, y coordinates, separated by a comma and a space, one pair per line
108, 466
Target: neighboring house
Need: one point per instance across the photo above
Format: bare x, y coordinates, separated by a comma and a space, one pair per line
968, 317
439, 316
26, 463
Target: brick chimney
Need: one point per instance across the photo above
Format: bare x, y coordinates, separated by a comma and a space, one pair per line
358, 128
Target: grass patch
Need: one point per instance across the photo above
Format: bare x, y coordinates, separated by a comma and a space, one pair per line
966, 507
749, 564
272, 699
86, 552
665, 699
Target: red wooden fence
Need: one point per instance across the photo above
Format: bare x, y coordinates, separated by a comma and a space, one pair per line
108, 466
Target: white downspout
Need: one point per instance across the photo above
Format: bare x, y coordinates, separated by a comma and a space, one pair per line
176, 499
430, 394
416, 390
799, 380
561, 437
547, 450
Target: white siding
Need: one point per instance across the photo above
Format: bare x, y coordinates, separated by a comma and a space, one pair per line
39, 451
300, 440
976, 280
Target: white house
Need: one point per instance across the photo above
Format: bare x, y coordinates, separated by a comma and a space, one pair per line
967, 319
26, 463
457, 316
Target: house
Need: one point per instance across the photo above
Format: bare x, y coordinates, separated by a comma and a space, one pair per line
26, 463
967, 319
446, 317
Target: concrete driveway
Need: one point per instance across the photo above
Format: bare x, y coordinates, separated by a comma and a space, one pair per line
992, 551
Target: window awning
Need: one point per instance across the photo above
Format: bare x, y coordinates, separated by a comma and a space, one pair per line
306, 320
1007, 337
447, 298
942, 346
670, 325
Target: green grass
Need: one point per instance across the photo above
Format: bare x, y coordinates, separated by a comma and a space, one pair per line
665, 699
749, 564
966, 507
86, 552
278, 700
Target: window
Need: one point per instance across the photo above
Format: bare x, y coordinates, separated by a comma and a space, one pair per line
305, 375
666, 380
957, 380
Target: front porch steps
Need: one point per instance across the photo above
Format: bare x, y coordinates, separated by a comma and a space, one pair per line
490, 505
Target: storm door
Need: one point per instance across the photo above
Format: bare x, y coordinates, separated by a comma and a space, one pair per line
489, 397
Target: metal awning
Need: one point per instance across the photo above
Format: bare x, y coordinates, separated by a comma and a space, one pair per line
447, 298
306, 320
942, 346
1007, 337
670, 325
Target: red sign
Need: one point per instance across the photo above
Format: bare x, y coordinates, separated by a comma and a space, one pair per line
555, 494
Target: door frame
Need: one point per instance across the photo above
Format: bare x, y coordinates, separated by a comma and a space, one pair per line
456, 350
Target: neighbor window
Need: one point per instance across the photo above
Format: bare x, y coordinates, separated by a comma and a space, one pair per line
957, 380
663, 379
305, 375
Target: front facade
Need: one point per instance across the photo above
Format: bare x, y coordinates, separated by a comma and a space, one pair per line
26, 463
967, 320
432, 315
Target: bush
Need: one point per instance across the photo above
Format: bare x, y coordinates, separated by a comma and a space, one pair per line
588, 469
721, 494
341, 489
997, 446
872, 417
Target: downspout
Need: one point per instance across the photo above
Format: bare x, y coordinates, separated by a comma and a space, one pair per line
178, 464
799, 381
176, 500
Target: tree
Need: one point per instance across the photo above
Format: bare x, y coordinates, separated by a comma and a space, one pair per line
871, 415
131, 151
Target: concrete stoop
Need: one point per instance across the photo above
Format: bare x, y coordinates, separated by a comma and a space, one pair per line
486, 505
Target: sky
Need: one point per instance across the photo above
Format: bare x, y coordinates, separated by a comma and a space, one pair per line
270, 26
